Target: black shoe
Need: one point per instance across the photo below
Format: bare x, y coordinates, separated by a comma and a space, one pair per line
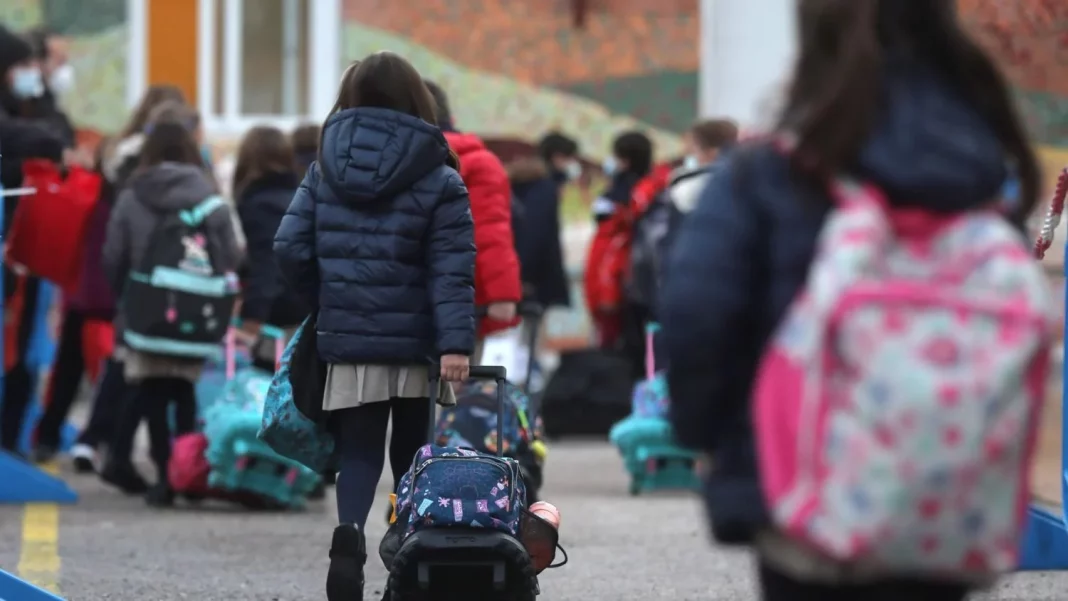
318, 493
348, 554
160, 495
124, 477
44, 453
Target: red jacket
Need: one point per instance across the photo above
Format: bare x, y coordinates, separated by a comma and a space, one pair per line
608, 260
496, 262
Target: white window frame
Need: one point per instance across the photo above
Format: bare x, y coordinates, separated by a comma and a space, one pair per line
324, 56
323, 36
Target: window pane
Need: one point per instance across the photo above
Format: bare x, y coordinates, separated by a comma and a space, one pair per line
274, 57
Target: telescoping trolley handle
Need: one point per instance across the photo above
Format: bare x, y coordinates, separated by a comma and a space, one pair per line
482, 372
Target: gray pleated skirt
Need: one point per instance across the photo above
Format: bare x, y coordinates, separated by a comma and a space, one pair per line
349, 386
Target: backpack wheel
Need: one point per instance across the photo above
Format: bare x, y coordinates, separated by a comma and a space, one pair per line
635, 488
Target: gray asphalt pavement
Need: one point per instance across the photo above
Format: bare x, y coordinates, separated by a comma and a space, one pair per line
622, 548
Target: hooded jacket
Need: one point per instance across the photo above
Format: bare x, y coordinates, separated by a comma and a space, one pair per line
743, 254
541, 252
379, 238
265, 297
148, 197
496, 264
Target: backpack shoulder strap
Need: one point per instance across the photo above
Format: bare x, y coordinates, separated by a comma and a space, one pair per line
196, 215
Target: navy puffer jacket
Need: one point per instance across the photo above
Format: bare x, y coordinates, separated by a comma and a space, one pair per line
742, 255
379, 237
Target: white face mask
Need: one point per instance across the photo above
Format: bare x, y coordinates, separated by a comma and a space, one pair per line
26, 83
609, 166
573, 170
62, 80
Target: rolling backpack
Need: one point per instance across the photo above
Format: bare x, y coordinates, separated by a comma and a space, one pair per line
177, 302
895, 407
645, 438
459, 522
226, 460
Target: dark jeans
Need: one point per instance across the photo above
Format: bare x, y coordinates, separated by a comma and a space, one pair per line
361, 434
107, 402
18, 381
66, 378
776, 586
151, 399
18, 393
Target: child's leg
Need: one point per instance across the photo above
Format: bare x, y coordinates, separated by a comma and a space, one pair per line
184, 395
410, 417
362, 440
156, 394
63, 387
107, 402
118, 468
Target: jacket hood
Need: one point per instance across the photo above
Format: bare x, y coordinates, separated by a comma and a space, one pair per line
373, 154
463, 144
526, 170
172, 186
930, 147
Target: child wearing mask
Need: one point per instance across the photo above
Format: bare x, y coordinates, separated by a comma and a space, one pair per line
392, 305
537, 186
170, 177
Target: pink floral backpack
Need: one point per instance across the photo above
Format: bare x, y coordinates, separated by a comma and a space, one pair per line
895, 407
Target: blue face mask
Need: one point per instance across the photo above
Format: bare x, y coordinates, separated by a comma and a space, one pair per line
26, 83
691, 162
205, 155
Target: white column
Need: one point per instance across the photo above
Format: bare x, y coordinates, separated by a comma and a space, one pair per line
747, 50
291, 41
233, 28
206, 51
136, 50
324, 37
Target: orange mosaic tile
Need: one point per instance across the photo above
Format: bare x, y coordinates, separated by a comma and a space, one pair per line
537, 42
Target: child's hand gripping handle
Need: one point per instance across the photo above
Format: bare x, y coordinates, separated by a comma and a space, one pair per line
496, 373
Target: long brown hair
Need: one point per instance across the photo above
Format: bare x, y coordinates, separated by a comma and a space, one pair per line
170, 137
305, 140
154, 96
263, 150
838, 80
387, 80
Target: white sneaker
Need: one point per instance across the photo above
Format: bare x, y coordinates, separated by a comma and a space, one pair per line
84, 458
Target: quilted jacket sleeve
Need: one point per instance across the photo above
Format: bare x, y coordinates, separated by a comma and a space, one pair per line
451, 258
707, 305
115, 257
496, 262
294, 243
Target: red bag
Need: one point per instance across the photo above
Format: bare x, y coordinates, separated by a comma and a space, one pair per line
188, 469
48, 229
98, 342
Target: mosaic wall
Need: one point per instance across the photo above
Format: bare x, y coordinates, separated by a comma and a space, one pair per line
516, 70
1030, 38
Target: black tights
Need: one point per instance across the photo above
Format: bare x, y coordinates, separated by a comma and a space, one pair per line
361, 434
151, 399
776, 586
